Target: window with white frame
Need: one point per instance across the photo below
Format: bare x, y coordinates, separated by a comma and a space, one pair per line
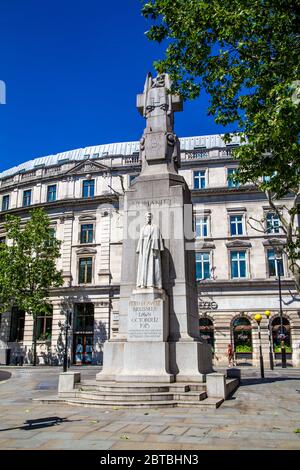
201, 226
5, 202
27, 198
51, 193
202, 265
199, 179
273, 223
86, 233
238, 264
236, 225
275, 266
85, 270
88, 188
230, 182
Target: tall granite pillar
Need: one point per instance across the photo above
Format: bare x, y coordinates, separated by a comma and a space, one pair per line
158, 337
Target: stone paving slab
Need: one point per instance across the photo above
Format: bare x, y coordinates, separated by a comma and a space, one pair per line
260, 416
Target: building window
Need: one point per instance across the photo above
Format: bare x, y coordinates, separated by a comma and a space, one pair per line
273, 223
236, 225
230, 183
201, 225
85, 270
27, 198
17, 325
44, 326
202, 266
88, 188
131, 179
5, 202
52, 236
51, 193
86, 233
238, 264
242, 335
275, 266
199, 179
84, 318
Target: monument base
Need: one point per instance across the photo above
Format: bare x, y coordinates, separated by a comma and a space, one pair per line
190, 360
144, 357
136, 361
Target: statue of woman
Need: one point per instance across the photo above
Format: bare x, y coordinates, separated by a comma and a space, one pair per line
149, 247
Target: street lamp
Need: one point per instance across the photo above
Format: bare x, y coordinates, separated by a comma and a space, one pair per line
278, 257
258, 319
67, 325
268, 313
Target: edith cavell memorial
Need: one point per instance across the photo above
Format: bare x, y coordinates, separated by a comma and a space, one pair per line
158, 339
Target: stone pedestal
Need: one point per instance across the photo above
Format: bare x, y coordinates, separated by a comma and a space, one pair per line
144, 357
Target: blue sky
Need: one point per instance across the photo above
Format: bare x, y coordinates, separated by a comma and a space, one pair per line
72, 70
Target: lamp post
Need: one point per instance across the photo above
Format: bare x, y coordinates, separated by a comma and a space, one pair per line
258, 319
268, 313
278, 256
67, 326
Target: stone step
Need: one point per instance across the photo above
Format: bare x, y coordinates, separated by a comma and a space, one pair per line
190, 396
117, 397
132, 389
197, 387
208, 403
121, 404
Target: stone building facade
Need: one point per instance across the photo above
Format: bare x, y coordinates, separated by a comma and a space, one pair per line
236, 267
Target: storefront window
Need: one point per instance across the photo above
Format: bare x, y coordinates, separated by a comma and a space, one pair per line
276, 335
242, 335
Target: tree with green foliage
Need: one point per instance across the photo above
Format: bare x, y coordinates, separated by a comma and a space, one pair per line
28, 266
245, 55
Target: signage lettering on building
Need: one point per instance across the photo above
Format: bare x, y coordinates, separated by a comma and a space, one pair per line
207, 305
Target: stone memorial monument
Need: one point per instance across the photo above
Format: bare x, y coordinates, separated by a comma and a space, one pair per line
158, 338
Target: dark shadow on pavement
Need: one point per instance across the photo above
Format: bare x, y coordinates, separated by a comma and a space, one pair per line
4, 375
41, 423
266, 380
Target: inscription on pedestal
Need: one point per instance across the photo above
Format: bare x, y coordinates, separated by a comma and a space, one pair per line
145, 320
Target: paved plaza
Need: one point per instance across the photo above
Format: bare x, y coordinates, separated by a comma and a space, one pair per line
259, 416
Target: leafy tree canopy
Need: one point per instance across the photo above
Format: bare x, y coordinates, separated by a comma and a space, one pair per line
245, 54
28, 263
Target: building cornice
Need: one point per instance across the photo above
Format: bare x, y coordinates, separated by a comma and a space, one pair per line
63, 204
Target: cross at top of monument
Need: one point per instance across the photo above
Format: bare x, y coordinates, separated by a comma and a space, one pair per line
159, 146
157, 104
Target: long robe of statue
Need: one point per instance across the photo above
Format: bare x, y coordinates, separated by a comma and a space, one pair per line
149, 248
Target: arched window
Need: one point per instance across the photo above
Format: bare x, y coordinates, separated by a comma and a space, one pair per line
276, 334
206, 328
242, 335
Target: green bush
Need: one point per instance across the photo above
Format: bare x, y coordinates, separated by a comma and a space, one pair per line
243, 348
277, 349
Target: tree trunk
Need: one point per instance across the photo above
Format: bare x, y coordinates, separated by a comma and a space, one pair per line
34, 339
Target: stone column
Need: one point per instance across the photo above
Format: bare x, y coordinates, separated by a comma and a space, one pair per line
222, 336
28, 338
105, 226
66, 250
295, 338
101, 327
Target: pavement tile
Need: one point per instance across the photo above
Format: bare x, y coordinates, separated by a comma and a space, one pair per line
134, 428
113, 427
175, 430
154, 429
196, 432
